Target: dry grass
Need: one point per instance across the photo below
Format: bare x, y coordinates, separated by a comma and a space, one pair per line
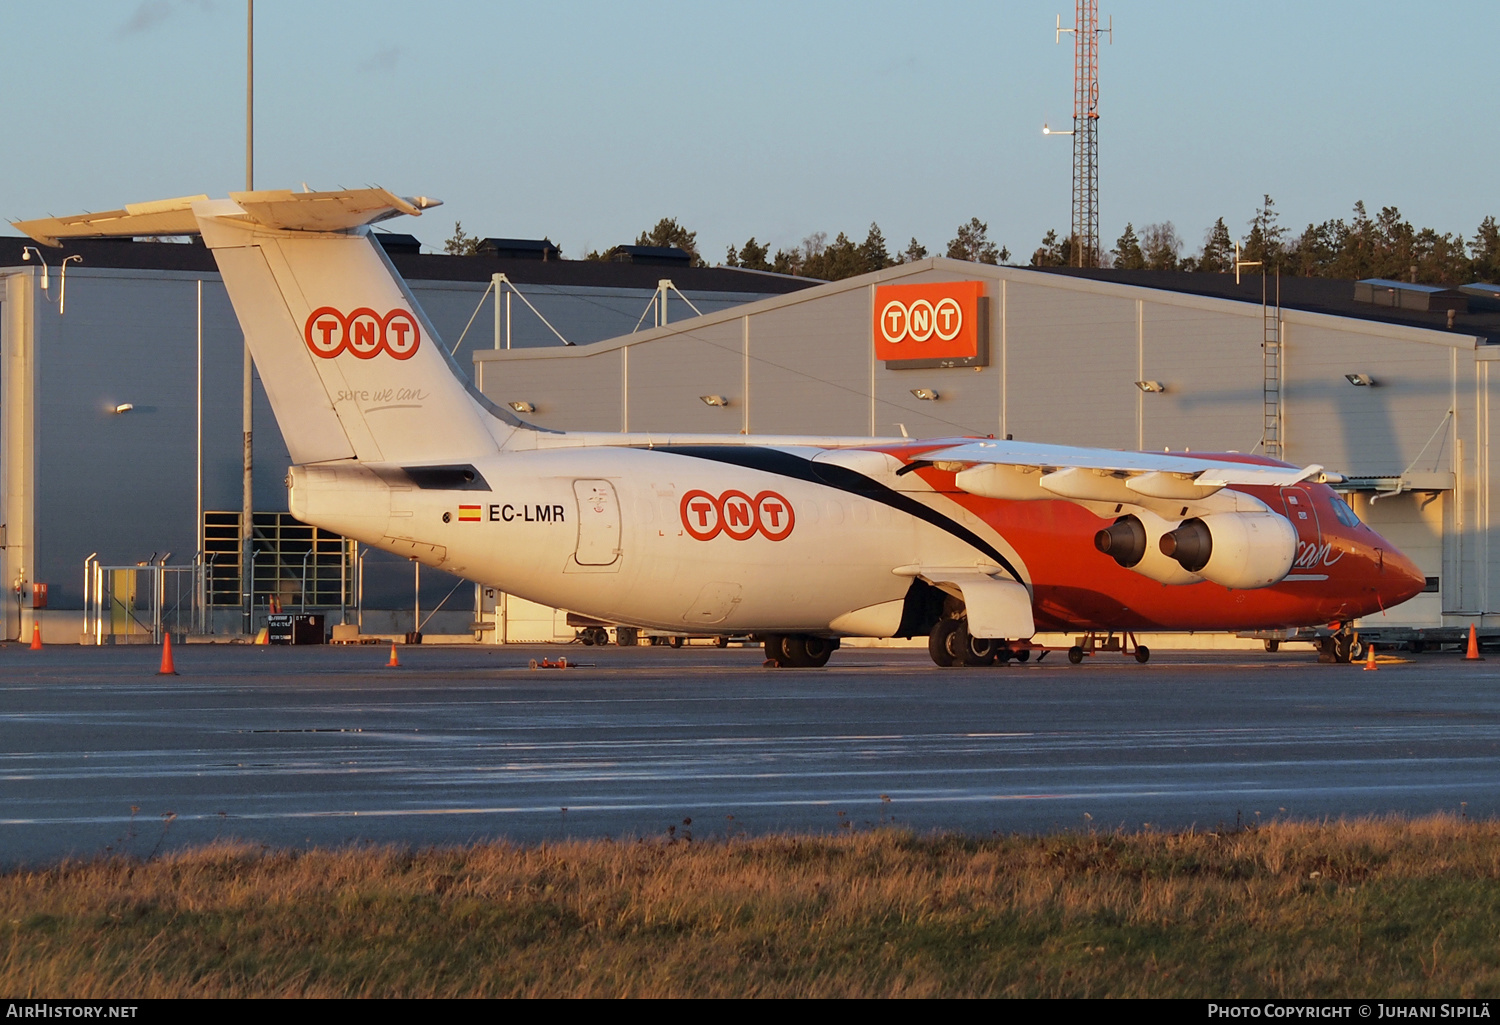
1370, 907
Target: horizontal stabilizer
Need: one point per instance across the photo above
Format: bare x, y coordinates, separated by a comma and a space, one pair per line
162, 217
278, 209
327, 211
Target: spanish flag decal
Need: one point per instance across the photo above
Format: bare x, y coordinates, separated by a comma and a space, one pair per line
468, 513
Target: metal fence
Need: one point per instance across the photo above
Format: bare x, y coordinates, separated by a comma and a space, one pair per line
136, 604
299, 565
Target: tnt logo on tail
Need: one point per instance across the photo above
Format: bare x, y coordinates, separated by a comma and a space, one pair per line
363, 332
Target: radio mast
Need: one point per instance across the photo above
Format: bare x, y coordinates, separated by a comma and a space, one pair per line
1085, 133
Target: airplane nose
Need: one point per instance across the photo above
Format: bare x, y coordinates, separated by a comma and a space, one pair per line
1401, 579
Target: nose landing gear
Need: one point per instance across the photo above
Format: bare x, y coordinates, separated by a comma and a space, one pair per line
1341, 648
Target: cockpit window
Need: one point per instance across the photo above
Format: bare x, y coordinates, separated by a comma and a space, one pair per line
1346, 515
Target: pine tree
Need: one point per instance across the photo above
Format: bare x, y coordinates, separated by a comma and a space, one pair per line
1127, 251
1352, 246
669, 233
1267, 239
873, 254
914, 251
1218, 250
462, 243
841, 259
972, 243
751, 256
1484, 264
1049, 253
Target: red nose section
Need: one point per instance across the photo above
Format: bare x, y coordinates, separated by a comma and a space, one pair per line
1400, 578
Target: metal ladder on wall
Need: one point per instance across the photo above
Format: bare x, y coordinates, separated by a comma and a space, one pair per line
1271, 440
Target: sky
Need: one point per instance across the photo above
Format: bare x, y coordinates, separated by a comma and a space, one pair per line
588, 121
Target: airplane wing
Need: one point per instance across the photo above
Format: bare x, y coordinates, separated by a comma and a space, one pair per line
1173, 485
1203, 472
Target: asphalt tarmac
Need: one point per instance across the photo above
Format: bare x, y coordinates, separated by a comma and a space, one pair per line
294, 747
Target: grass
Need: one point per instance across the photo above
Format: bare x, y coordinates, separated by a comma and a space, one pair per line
1372, 907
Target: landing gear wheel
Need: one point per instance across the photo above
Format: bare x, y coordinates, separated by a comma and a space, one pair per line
1075, 654
968, 650
804, 652
937, 642
1357, 650
675, 642
1142, 654
721, 641
791, 652
1024, 655
772, 644
586, 635
815, 651
1342, 648
1271, 645
626, 636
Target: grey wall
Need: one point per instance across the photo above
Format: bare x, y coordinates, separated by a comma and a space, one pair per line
124, 485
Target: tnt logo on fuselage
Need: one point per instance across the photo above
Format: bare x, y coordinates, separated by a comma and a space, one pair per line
737, 515
362, 332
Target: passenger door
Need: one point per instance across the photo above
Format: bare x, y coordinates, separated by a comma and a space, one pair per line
1304, 516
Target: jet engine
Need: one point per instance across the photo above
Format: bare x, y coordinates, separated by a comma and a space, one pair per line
1134, 541
1237, 550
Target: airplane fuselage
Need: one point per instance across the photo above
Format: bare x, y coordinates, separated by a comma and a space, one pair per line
802, 539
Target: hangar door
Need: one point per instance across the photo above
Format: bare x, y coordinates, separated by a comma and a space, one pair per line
598, 523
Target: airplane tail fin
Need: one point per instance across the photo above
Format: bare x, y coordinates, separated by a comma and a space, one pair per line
350, 364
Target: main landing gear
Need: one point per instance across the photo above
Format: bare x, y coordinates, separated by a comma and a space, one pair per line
951, 644
800, 651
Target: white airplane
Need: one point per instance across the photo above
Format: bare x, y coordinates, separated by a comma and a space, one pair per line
800, 541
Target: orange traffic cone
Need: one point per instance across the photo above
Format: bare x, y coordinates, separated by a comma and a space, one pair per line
1473, 654
36, 636
167, 668
1370, 658
394, 663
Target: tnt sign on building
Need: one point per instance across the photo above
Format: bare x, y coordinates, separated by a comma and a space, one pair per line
931, 325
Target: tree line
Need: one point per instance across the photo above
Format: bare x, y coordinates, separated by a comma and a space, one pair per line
843, 258
1386, 245
815, 257
1383, 246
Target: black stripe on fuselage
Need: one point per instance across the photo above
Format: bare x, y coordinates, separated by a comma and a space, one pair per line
840, 478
